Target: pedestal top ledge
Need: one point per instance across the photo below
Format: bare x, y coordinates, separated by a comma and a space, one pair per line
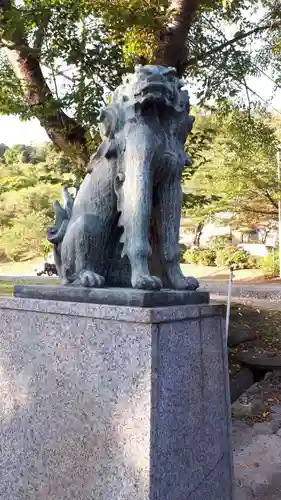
112, 296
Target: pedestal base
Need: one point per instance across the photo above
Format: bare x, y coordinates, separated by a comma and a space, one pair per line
108, 402
112, 296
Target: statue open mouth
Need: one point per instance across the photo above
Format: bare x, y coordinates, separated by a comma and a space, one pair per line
155, 93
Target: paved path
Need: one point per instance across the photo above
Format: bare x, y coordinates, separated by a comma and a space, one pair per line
240, 286
268, 293
257, 461
257, 448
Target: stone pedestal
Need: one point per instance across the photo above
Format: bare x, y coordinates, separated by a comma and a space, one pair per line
113, 402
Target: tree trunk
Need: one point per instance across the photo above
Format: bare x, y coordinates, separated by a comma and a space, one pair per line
172, 49
198, 234
265, 235
63, 131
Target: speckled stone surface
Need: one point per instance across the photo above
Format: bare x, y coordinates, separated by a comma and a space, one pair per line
192, 415
119, 313
129, 404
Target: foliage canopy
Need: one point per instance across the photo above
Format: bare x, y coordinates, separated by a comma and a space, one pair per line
60, 58
239, 172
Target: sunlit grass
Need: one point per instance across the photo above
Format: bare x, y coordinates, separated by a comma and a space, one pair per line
7, 287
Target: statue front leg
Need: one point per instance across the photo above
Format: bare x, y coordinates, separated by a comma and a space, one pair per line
167, 213
84, 251
134, 193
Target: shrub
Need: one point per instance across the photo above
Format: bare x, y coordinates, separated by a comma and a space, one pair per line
207, 257
183, 249
227, 256
3, 256
191, 256
216, 242
25, 239
24, 217
254, 262
270, 265
197, 256
231, 256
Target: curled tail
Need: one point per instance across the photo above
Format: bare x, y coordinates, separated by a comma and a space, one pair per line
56, 233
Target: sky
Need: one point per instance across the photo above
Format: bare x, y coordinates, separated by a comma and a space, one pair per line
13, 131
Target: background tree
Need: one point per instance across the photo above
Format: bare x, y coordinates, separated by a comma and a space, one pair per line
30, 180
234, 169
239, 171
59, 58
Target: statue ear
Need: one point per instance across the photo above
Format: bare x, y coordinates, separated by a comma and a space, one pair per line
190, 122
103, 148
106, 149
109, 121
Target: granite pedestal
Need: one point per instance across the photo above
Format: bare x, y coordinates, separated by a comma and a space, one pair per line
102, 402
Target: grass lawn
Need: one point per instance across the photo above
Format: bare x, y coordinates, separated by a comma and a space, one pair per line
6, 287
25, 268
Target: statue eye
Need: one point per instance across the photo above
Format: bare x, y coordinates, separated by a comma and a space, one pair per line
169, 72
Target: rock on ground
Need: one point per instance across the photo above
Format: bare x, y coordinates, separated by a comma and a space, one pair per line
257, 448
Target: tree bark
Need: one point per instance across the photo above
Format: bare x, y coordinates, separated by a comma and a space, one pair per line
63, 130
172, 48
198, 234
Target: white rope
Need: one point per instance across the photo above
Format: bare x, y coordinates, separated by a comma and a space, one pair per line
230, 281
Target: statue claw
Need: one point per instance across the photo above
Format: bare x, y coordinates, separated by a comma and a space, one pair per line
191, 283
89, 279
178, 281
146, 282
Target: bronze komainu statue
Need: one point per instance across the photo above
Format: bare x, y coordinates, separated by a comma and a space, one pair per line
123, 227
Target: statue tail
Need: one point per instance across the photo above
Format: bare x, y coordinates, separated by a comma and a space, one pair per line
56, 233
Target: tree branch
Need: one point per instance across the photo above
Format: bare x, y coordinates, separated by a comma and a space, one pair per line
272, 201
200, 57
265, 192
238, 60
67, 77
63, 131
7, 44
256, 211
41, 32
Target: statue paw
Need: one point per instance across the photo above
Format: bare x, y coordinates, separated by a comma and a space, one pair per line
185, 283
90, 279
178, 281
146, 282
191, 283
